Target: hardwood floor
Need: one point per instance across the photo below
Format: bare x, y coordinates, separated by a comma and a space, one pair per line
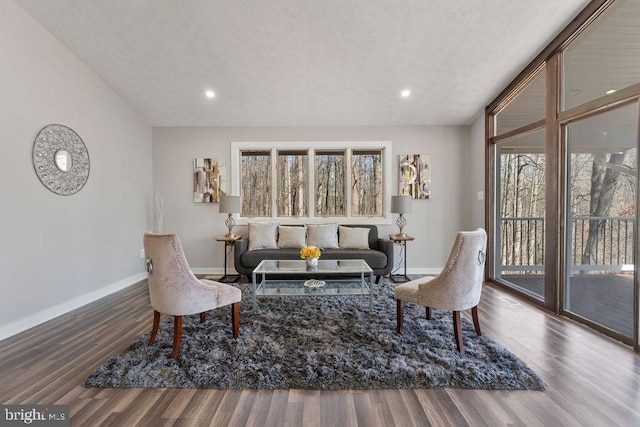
591, 380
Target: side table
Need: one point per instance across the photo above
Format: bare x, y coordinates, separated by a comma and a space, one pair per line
400, 239
228, 247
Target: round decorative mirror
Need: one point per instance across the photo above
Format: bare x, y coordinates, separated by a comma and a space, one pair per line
60, 159
64, 161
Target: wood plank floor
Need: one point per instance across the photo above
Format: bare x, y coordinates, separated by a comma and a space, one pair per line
591, 379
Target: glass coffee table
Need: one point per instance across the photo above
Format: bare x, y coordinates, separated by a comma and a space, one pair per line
288, 278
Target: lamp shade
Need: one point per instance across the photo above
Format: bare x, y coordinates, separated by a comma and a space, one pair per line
401, 204
229, 204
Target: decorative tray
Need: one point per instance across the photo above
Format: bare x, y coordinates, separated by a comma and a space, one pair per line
313, 283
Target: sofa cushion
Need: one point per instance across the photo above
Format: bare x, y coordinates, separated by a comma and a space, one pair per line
262, 235
353, 237
373, 234
291, 237
324, 236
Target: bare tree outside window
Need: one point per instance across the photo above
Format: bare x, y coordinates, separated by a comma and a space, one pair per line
292, 183
298, 181
603, 207
255, 179
366, 183
330, 183
522, 207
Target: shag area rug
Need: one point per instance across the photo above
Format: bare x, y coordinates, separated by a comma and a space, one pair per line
330, 343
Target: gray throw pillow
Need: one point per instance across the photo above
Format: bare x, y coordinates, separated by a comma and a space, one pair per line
262, 235
291, 237
323, 236
354, 237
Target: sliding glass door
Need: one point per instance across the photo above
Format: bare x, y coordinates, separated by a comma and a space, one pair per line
601, 210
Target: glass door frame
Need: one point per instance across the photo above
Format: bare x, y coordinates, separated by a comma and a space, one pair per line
555, 148
564, 119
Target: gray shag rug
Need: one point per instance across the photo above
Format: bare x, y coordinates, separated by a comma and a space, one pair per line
320, 343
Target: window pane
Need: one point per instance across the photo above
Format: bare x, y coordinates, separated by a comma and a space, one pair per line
329, 183
604, 57
255, 183
366, 183
521, 209
293, 183
601, 194
527, 107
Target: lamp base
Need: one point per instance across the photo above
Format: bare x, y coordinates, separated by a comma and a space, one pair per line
230, 223
401, 222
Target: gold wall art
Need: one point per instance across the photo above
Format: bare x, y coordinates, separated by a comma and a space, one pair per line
415, 176
207, 180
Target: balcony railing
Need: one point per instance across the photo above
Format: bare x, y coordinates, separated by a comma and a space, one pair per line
609, 248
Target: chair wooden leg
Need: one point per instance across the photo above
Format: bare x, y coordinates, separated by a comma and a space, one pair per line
399, 316
156, 324
378, 279
457, 331
428, 312
476, 322
203, 317
235, 318
177, 335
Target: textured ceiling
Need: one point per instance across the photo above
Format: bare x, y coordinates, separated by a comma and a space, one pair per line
305, 62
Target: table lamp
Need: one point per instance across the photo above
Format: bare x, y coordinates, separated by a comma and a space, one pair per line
230, 205
401, 205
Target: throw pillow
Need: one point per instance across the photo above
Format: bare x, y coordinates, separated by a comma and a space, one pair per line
262, 235
323, 236
354, 237
291, 237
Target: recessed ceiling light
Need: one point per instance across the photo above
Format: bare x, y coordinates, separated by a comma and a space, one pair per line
609, 92
210, 94
405, 93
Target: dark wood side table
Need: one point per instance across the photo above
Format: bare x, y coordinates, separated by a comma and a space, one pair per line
401, 240
228, 247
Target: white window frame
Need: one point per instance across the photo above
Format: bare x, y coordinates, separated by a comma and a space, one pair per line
311, 147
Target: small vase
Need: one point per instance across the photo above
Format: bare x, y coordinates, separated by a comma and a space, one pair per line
312, 262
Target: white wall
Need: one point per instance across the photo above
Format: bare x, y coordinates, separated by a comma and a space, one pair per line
476, 170
59, 252
434, 222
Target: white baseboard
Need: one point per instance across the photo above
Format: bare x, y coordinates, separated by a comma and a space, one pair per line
67, 306
423, 271
207, 270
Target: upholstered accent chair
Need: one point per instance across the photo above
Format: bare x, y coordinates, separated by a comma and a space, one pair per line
458, 287
176, 291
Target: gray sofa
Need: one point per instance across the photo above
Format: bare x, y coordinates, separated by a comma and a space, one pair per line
379, 256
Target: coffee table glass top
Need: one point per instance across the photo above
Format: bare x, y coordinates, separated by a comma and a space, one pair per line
334, 271
344, 266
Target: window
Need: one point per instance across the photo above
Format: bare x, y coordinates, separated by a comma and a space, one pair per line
320, 180
329, 180
526, 107
583, 233
293, 181
255, 192
604, 58
366, 182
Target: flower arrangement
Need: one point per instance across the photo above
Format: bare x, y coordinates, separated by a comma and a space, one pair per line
309, 251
